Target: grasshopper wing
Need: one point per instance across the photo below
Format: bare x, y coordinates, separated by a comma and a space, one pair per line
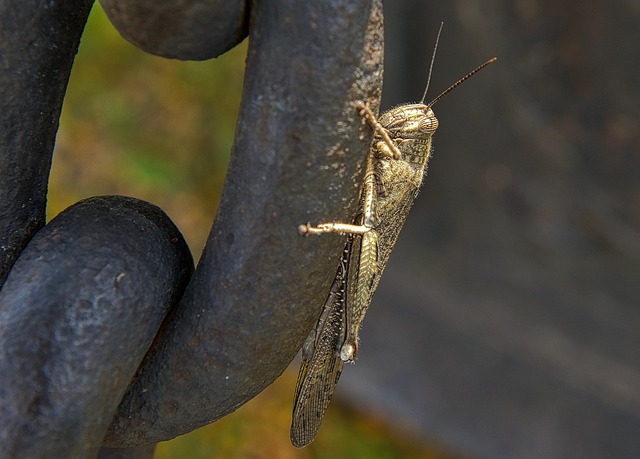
321, 364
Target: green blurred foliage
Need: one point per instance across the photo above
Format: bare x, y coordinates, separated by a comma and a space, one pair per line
161, 130
144, 126
260, 430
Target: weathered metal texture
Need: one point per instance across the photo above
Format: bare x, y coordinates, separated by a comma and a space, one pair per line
78, 311
87, 296
298, 156
192, 29
38, 41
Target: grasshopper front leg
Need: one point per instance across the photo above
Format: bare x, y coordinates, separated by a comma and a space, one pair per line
369, 196
333, 227
386, 146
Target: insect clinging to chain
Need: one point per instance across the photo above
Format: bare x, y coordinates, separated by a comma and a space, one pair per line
395, 169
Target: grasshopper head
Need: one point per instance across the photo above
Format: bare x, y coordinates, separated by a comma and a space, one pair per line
410, 122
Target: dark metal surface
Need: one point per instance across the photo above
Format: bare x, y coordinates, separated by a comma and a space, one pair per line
88, 294
38, 41
78, 311
192, 29
259, 286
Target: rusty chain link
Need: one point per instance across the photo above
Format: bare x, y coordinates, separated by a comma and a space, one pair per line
107, 334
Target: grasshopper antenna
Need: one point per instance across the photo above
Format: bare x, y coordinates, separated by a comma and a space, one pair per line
460, 81
433, 58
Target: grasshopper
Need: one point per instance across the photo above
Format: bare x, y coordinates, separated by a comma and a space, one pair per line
396, 166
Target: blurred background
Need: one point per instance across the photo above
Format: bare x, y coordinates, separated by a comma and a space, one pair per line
507, 323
